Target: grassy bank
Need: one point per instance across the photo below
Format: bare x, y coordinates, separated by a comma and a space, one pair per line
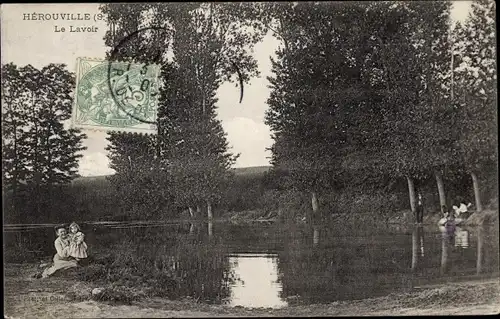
67, 297
486, 217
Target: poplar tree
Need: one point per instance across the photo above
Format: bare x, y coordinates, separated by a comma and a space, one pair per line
208, 44
475, 89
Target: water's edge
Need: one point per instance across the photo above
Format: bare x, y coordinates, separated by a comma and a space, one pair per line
27, 296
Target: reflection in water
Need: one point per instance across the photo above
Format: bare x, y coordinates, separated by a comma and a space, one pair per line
480, 242
315, 236
193, 259
258, 284
461, 238
446, 242
417, 246
422, 244
414, 249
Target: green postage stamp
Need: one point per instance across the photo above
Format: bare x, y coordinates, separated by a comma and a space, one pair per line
116, 96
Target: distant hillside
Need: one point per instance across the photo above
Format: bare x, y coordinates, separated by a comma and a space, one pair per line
91, 179
240, 171
253, 170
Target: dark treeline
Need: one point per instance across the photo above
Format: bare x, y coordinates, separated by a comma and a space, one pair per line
370, 104
39, 155
379, 89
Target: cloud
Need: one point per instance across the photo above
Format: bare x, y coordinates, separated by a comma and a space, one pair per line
250, 138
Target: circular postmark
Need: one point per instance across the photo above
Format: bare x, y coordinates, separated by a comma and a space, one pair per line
134, 86
134, 89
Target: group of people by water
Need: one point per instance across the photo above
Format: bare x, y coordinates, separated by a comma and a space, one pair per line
71, 250
449, 216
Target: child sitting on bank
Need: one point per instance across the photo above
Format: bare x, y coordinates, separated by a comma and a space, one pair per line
78, 247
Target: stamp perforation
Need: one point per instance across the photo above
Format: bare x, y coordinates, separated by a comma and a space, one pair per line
125, 122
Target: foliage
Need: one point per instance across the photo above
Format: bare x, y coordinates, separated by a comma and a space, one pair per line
475, 88
360, 104
37, 149
311, 107
353, 108
205, 43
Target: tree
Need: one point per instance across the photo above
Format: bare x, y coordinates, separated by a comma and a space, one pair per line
416, 136
218, 44
207, 42
438, 130
141, 180
38, 147
14, 117
475, 92
329, 91
393, 70
295, 106
137, 158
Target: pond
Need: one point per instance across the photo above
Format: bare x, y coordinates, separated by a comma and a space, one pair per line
272, 265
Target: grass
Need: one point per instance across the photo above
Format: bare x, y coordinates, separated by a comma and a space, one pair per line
136, 267
66, 296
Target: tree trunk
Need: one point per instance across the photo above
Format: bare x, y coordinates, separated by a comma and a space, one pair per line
49, 159
477, 194
198, 210
442, 196
191, 211
421, 240
210, 229
37, 173
15, 172
209, 210
480, 242
414, 249
413, 199
315, 236
315, 205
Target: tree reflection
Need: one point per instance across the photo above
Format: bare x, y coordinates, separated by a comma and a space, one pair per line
342, 268
177, 264
204, 271
417, 246
480, 243
447, 239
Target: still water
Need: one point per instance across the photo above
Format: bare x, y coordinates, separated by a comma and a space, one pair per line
272, 265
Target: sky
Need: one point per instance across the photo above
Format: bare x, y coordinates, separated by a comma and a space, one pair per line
35, 42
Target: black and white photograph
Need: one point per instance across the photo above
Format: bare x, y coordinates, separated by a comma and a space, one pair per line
250, 159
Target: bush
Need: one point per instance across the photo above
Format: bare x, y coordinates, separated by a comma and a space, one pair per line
288, 204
